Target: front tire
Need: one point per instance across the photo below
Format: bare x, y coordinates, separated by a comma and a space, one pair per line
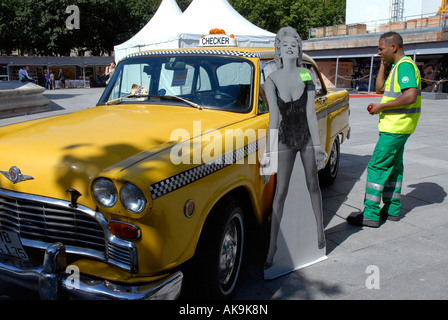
219, 257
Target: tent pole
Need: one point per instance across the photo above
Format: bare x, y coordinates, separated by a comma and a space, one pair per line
336, 74
83, 72
370, 75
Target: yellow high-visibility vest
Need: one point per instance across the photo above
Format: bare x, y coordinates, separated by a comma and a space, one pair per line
403, 119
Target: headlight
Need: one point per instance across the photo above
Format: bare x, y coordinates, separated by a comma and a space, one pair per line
132, 198
105, 192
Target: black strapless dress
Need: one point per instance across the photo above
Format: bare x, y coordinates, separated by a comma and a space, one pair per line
293, 130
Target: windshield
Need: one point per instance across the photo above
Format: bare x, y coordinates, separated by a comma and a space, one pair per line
211, 82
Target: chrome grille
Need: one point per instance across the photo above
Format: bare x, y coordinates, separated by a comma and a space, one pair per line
50, 223
41, 221
121, 256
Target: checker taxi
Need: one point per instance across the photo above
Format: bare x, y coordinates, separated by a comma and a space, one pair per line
155, 190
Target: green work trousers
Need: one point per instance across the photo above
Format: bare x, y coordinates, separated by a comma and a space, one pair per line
385, 176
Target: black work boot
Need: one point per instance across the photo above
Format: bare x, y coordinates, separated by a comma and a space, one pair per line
358, 219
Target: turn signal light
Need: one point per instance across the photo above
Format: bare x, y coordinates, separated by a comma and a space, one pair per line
124, 230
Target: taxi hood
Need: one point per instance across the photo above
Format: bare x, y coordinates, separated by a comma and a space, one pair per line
69, 151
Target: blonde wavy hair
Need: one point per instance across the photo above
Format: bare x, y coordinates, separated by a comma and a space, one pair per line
284, 32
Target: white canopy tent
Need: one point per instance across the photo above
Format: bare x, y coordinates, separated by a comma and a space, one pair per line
153, 33
169, 29
203, 15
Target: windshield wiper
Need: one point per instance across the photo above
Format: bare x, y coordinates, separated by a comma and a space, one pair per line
187, 101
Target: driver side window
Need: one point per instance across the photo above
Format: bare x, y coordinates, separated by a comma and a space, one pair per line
266, 67
315, 74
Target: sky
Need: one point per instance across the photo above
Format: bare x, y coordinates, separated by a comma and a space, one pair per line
362, 11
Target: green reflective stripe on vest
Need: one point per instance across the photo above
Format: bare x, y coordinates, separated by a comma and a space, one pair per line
401, 120
391, 91
403, 110
390, 94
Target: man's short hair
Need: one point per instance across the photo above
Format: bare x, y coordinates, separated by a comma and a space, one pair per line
392, 38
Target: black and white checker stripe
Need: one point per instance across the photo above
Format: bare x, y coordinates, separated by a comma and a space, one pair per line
180, 180
202, 52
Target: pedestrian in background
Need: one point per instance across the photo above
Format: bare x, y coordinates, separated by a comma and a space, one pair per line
399, 111
52, 82
61, 77
47, 80
23, 75
109, 72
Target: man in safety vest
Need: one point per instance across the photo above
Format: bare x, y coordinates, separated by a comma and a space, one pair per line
399, 112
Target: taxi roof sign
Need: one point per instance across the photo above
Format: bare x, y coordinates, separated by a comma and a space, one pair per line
218, 38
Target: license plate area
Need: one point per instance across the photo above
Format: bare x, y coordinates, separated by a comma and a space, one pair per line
11, 245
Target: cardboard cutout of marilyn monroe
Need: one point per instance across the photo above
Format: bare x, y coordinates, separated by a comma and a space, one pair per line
293, 151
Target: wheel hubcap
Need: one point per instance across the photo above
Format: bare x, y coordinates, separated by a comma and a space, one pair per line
333, 157
229, 251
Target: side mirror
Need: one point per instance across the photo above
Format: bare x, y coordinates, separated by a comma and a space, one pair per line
320, 92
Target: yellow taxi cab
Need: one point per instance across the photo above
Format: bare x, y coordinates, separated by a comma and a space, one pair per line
156, 187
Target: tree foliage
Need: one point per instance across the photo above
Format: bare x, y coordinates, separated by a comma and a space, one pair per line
39, 26
299, 14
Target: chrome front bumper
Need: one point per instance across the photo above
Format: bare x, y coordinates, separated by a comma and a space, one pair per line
52, 282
